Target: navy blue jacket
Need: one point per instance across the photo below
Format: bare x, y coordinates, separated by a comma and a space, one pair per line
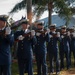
5, 53
24, 46
72, 43
41, 46
65, 43
53, 44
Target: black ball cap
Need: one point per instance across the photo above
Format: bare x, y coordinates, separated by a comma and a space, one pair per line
3, 17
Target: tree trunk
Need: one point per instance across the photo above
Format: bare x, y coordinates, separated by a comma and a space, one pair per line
29, 10
49, 13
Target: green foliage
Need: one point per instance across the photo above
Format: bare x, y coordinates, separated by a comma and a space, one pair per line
14, 69
63, 10
19, 6
39, 2
38, 11
59, 6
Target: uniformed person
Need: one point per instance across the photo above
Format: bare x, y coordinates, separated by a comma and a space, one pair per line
40, 48
6, 39
53, 50
64, 48
72, 44
25, 39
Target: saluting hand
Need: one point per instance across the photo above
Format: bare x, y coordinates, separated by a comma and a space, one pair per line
20, 37
32, 33
50, 36
8, 31
48, 30
58, 34
68, 33
73, 34
62, 36
38, 34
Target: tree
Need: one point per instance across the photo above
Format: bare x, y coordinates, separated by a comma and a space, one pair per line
29, 10
22, 5
59, 6
73, 10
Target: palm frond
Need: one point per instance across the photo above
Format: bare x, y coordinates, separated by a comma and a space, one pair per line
63, 9
39, 2
39, 10
18, 6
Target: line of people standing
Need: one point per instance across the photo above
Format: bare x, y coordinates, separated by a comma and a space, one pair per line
55, 44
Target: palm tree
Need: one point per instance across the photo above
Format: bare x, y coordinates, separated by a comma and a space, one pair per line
22, 5
73, 10
29, 10
59, 6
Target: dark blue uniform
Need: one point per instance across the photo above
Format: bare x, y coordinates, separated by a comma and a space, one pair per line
53, 51
64, 50
40, 53
5, 54
24, 53
72, 48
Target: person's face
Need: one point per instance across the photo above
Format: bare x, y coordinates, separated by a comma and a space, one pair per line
53, 29
71, 31
40, 27
63, 30
24, 26
2, 24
